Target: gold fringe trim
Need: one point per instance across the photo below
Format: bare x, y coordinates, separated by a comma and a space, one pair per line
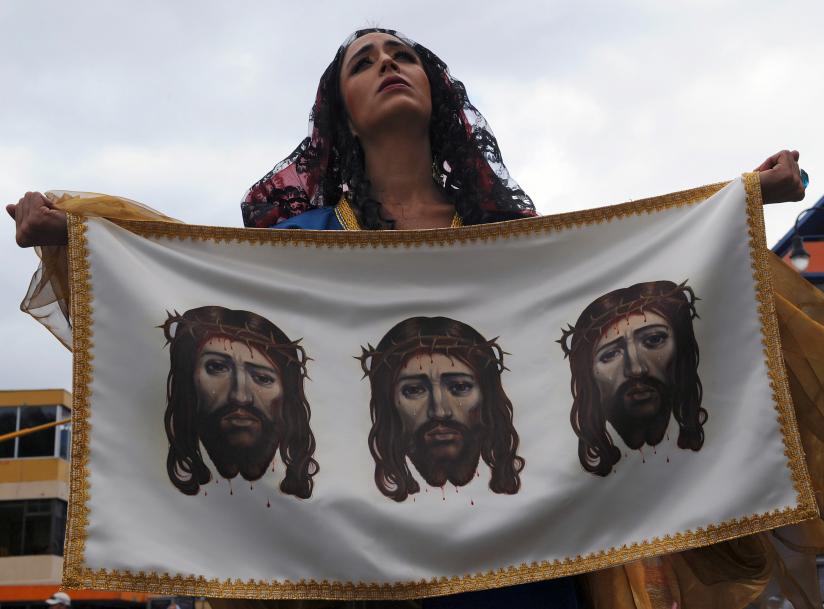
349, 221
76, 575
190, 585
771, 340
81, 315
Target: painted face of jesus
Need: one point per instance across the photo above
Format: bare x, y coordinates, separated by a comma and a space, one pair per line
239, 393
632, 362
439, 400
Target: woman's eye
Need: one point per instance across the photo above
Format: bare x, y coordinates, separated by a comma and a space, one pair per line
655, 340
413, 391
263, 379
405, 55
360, 64
609, 355
461, 388
215, 367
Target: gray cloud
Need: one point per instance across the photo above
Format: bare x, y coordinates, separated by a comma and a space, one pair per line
183, 105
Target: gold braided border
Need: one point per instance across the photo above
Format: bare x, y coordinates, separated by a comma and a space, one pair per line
354, 237
349, 221
76, 575
346, 215
81, 315
771, 339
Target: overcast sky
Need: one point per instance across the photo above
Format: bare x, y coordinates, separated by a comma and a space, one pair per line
182, 105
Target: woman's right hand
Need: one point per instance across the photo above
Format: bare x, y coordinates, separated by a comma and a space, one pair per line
38, 222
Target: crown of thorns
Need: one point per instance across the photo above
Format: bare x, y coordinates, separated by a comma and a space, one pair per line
372, 360
292, 351
682, 295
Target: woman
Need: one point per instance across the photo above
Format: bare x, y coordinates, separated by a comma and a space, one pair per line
398, 136
394, 144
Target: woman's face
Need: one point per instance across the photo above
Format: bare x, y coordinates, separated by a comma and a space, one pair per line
384, 85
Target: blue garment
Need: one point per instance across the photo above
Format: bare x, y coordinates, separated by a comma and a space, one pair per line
323, 218
552, 594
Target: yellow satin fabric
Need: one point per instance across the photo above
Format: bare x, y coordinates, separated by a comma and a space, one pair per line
47, 299
733, 574
105, 206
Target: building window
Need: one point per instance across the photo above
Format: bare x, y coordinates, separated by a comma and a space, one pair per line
31, 527
8, 424
41, 443
53, 442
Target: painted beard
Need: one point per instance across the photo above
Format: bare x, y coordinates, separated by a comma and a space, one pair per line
640, 411
446, 451
239, 439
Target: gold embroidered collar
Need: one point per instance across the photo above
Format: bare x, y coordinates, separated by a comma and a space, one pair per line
349, 221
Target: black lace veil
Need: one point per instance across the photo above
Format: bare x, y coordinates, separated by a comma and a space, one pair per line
328, 163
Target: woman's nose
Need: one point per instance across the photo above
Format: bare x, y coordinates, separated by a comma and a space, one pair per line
387, 62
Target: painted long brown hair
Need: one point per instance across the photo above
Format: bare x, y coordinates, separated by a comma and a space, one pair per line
674, 302
387, 441
185, 333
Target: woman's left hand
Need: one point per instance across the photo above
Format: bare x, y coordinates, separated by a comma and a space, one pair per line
781, 178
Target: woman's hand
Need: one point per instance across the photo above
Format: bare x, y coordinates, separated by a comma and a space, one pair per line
781, 178
38, 222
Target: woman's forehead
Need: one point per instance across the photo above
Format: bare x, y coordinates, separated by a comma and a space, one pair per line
377, 39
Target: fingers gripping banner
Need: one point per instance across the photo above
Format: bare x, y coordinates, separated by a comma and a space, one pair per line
299, 414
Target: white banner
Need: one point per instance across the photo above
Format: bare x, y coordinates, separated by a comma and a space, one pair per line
300, 414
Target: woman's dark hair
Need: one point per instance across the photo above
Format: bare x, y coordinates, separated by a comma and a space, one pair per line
464, 150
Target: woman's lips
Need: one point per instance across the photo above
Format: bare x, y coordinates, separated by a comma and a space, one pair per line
393, 82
